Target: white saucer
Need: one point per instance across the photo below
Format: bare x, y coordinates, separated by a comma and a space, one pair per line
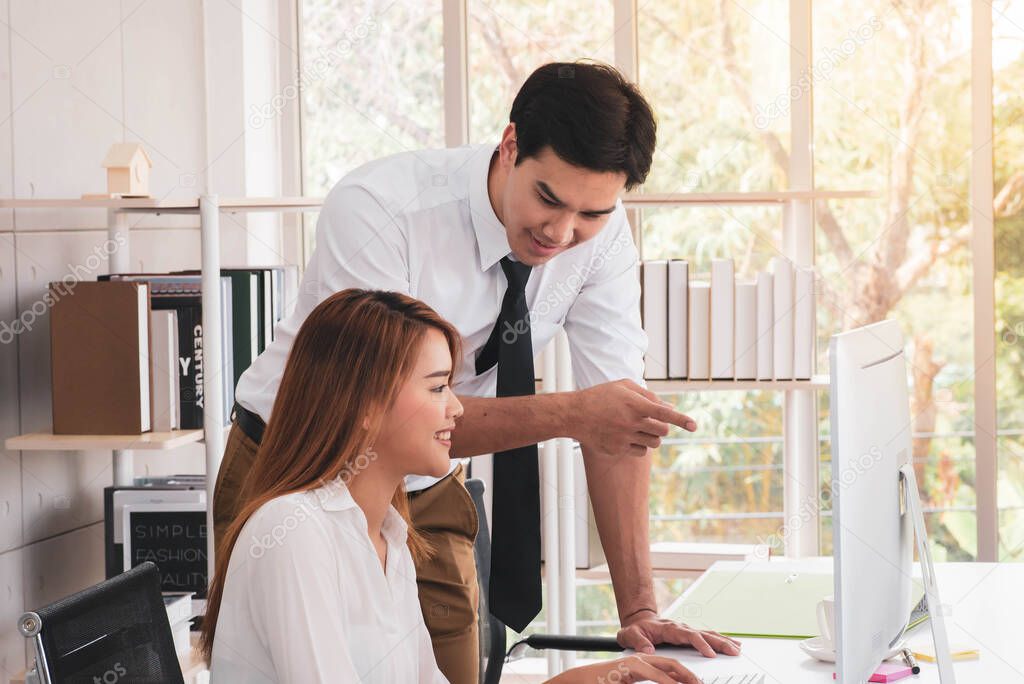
815, 647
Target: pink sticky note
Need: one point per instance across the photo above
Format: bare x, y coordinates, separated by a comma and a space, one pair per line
888, 672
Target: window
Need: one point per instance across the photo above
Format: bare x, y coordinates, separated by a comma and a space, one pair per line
508, 40
1008, 103
713, 72
371, 76
892, 114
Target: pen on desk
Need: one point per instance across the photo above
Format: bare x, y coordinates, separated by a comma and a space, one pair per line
911, 661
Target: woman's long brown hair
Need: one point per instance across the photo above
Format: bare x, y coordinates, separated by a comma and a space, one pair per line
346, 367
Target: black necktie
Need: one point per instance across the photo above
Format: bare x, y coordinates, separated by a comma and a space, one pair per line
514, 595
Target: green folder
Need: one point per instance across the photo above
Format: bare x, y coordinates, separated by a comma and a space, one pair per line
751, 602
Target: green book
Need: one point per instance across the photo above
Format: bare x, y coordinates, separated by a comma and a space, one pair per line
245, 309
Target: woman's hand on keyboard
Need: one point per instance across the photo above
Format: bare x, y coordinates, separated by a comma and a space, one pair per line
634, 668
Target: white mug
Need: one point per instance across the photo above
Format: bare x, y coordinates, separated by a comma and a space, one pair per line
826, 621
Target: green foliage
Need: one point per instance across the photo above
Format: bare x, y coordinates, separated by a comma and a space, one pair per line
712, 71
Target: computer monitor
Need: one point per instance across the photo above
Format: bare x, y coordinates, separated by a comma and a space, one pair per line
873, 516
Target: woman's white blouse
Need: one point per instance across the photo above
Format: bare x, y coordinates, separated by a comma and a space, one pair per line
306, 599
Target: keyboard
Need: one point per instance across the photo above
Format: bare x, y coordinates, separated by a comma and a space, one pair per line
754, 678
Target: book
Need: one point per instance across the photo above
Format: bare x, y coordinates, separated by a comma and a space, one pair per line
782, 326
245, 323
264, 304
746, 330
182, 291
183, 294
291, 288
774, 599
179, 606
227, 349
99, 358
277, 293
723, 311
266, 301
177, 479
655, 318
699, 362
701, 555
678, 317
180, 635
803, 324
765, 332
164, 369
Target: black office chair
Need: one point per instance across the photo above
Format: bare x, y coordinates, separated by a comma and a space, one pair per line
492, 630
116, 630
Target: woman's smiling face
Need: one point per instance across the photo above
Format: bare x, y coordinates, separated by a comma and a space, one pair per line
416, 430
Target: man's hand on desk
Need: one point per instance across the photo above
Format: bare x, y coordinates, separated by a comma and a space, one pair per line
644, 630
621, 417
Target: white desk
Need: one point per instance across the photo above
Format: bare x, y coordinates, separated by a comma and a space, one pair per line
984, 608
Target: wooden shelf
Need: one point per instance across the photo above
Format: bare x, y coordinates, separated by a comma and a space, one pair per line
673, 386
149, 203
151, 441
632, 200
154, 205
268, 203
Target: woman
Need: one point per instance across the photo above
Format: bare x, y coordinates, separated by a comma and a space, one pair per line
315, 579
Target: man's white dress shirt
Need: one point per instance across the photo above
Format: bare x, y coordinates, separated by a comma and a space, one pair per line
306, 599
421, 223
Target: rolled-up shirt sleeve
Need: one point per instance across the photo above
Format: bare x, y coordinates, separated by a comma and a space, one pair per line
606, 338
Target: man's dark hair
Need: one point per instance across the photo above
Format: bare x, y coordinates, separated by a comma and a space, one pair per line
589, 115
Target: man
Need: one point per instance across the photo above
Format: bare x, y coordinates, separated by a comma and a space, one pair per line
509, 244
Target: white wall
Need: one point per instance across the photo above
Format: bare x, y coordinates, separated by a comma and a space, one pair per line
179, 77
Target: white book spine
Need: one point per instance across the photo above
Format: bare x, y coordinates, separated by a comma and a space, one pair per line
655, 315
765, 318
723, 312
678, 300
700, 338
746, 330
782, 290
163, 368
254, 317
175, 376
803, 324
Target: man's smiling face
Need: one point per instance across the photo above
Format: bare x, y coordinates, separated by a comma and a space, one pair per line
546, 204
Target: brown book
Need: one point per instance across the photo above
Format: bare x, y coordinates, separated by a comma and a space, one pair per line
99, 356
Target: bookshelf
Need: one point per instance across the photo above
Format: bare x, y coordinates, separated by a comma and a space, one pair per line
209, 208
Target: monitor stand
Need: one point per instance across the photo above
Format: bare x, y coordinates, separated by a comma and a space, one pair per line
912, 498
